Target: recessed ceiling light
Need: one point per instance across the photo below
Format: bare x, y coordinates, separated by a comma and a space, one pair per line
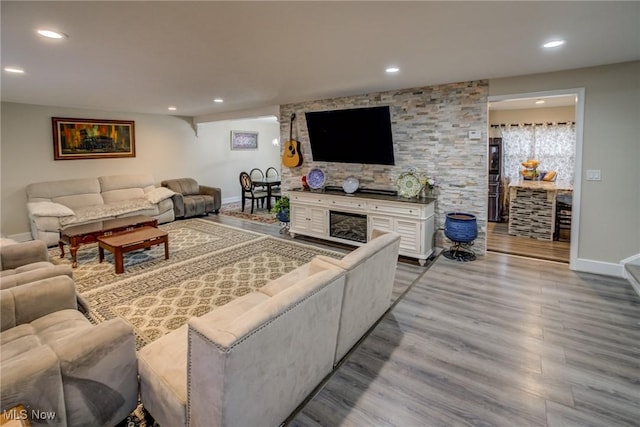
50, 34
553, 43
540, 101
172, 108
218, 100
14, 70
392, 69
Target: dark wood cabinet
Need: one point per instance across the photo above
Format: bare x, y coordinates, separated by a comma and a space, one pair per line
494, 212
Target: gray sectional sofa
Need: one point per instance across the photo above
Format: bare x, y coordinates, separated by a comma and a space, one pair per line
254, 360
56, 204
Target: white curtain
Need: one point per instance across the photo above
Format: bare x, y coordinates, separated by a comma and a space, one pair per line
553, 145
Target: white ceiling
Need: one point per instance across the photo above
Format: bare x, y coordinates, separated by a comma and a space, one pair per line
145, 56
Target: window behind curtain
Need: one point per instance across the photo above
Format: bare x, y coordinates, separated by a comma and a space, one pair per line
553, 145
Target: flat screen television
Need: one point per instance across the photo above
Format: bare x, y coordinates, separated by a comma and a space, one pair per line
356, 135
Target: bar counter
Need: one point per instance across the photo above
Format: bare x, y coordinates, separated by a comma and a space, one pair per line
532, 207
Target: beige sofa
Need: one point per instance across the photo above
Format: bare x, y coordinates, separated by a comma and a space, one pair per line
53, 360
56, 204
254, 360
370, 274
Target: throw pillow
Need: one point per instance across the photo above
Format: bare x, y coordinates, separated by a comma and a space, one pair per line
159, 194
48, 209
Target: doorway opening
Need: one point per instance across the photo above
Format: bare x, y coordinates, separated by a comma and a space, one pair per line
507, 115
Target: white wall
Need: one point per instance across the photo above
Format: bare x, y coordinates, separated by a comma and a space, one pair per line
231, 163
166, 147
610, 208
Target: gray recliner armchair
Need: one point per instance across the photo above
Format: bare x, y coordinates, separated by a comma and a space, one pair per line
55, 362
192, 199
26, 262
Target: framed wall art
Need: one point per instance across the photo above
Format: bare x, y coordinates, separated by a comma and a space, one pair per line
92, 138
241, 140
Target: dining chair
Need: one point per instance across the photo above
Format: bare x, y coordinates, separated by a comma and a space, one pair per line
272, 172
276, 191
256, 174
250, 192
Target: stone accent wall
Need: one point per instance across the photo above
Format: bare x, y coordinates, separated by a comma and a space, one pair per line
430, 127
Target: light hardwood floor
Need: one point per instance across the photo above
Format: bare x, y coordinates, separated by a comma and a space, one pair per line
500, 341
499, 240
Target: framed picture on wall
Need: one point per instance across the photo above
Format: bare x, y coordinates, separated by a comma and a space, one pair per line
92, 138
243, 140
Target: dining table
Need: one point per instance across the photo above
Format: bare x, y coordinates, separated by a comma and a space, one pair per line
268, 183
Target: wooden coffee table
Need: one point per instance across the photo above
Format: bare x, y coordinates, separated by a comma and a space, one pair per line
77, 235
140, 238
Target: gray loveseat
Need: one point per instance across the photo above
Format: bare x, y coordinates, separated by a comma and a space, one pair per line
56, 204
193, 199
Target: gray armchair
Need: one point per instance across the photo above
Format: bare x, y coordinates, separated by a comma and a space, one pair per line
55, 361
192, 199
26, 262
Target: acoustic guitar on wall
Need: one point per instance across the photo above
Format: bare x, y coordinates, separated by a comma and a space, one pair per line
292, 157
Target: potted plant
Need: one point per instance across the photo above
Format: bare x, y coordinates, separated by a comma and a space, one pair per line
281, 209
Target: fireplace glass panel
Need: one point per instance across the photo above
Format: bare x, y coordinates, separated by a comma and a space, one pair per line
348, 226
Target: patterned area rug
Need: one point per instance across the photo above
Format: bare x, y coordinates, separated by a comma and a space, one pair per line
259, 214
210, 264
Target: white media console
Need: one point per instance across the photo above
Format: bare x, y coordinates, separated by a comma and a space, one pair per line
350, 218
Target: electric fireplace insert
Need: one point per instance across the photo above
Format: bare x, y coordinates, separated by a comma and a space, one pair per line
348, 226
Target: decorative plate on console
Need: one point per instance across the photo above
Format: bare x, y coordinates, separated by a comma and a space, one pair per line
315, 178
408, 185
350, 184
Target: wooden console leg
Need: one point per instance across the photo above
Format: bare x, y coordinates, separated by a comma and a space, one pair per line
61, 246
100, 254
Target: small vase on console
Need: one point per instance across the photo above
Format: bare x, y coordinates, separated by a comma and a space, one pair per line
424, 192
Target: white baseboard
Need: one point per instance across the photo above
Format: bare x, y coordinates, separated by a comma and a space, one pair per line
598, 267
634, 283
228, 200
633, 259
636, 286
21, 237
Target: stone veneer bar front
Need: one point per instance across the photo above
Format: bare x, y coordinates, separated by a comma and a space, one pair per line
532, 207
